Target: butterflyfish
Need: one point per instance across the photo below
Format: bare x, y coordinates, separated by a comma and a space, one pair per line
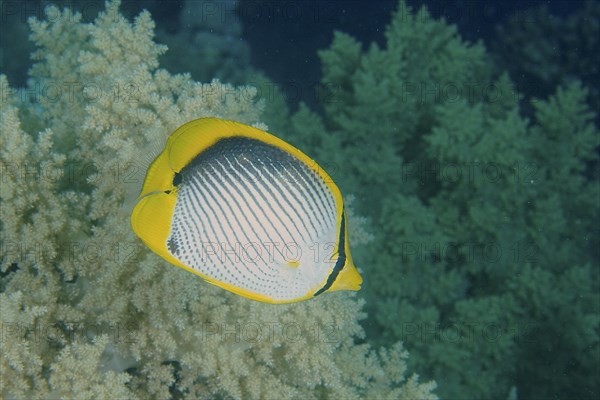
247, 212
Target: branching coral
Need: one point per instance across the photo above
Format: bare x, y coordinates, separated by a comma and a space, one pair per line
483, 215
87, 310
541, 50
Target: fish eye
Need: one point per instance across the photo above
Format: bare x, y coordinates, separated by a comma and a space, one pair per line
177, 179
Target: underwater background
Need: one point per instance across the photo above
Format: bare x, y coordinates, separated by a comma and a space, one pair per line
464, 135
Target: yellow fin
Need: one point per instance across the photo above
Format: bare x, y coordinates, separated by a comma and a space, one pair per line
151, 221
349, 278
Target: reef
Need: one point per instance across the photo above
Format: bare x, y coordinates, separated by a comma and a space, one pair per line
87, 310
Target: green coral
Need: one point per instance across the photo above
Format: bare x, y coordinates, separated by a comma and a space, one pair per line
87, 310
484, 262
541, 50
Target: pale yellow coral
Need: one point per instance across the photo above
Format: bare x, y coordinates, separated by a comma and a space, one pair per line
87, 310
